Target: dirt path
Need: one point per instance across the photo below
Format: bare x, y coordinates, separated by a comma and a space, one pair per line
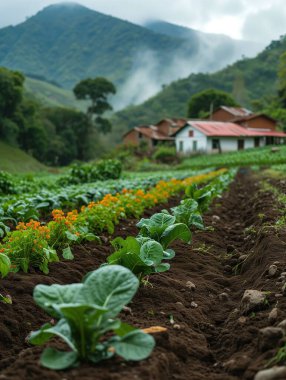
210, 337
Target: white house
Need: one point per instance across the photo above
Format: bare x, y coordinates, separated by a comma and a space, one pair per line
213, 137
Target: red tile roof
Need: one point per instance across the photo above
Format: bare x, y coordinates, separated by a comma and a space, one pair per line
237, 111
227, 129
251, 117
152, 132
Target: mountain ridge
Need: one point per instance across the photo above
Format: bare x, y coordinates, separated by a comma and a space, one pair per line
138, 60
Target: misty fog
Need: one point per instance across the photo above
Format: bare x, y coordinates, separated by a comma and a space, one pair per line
147, 75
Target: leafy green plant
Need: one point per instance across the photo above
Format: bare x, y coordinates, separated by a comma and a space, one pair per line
202, 196
164, 229
86, 315
142, 256
4, 229
5, 264
7, 185
5, 299
187, 212
99, 171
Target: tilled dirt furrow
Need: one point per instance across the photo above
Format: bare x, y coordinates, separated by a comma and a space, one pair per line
209, 336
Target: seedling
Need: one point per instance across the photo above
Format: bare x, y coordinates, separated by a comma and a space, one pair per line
5, 299
278, 358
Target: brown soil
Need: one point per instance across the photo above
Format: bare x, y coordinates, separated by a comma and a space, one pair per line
210, 338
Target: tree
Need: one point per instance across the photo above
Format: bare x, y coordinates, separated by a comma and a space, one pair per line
96, 91
202, 103
11, 93
282, 80
70, 130
239, 91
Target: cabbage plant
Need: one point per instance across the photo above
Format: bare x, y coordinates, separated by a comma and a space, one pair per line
87, 323
5, 264
187, 212
202, 196
142, 256
164, 229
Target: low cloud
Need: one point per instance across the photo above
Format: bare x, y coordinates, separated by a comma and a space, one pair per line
147, 76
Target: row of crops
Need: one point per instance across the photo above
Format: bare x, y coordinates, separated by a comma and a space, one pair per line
40, 200
258, 156
86, 313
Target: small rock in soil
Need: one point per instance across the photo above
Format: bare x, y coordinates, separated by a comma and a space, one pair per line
268, 337
251, 300
276, 263
215, 218
190, 285
127, 310
284, 289
273, 315
177, 327
193, 304
278, 295
272, 270
243, 257
223, 297
275, 373
179, 304
242, 320
282, 325
228, 268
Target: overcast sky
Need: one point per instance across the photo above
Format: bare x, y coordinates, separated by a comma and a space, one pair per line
260, 20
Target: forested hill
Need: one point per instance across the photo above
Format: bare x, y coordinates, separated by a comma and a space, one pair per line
247, 80
68, 42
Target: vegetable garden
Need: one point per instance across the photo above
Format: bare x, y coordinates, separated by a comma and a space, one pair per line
145, 278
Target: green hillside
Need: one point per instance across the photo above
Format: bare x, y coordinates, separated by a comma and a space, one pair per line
247, 80
68, 42
89, 44
14, 160
52, 96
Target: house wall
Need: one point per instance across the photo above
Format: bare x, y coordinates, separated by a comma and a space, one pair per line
260, 122
182, 137
133, 138
221, 115
230, 144
204, 143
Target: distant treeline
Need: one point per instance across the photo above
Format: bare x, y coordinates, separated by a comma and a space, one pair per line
55, 136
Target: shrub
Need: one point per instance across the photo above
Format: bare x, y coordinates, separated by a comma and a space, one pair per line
165, 154
100, 171
7, 185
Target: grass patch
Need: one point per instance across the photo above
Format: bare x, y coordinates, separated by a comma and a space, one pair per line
14, 160
256, 156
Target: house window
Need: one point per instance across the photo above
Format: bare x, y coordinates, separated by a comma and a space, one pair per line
240, 144
154, 142
215, 143
256, 142
191, 133
181, 146
140, 135
269, 140
195, 145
